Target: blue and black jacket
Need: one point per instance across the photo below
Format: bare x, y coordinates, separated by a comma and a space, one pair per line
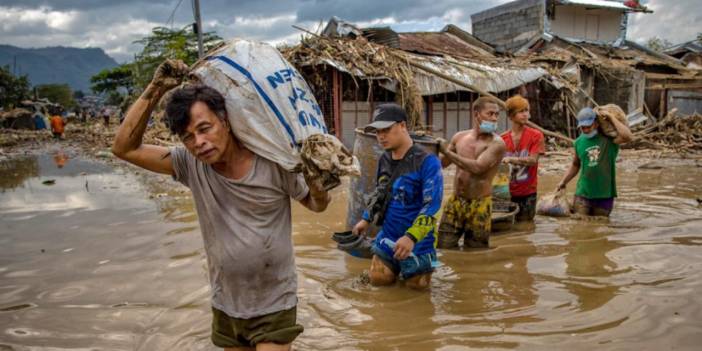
415, 198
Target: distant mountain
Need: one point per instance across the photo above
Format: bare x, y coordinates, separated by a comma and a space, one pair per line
72, 66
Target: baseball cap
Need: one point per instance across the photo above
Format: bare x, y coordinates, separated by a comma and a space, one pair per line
385, 115
586, 117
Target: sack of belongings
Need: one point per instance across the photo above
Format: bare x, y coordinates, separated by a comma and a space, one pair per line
500, 184
555, 204
272, 110
610, 110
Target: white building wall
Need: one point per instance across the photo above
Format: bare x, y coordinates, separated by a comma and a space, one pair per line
587, 24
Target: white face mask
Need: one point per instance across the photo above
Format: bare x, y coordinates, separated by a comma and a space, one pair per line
591, 134
488, 127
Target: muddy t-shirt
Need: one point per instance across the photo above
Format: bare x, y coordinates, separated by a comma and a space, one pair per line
598, 156
246, 227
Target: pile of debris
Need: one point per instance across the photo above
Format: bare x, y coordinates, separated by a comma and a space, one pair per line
370, 59
680, 133
18, 118
14, 137
89, 135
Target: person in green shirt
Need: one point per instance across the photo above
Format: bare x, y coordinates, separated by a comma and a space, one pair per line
595, 159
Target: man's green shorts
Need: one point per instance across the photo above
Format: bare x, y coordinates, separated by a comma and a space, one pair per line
278, 328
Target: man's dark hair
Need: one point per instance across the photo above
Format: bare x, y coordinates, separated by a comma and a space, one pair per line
182, 99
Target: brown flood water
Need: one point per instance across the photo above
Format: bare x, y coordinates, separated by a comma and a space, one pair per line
104, 259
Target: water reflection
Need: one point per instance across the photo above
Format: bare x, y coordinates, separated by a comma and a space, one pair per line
121, 259
14, 172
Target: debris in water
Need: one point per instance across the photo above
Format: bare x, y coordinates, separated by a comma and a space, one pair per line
651, 165
362, 281
49, 182
103, 154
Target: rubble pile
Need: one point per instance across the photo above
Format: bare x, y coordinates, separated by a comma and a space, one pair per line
373, 60
13, 137
89, 135
682, 134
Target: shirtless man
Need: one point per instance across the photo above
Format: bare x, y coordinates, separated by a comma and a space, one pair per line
477, 154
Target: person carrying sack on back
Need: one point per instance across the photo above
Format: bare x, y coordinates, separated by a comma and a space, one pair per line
595, 158
409, 188
243, 206
524, 146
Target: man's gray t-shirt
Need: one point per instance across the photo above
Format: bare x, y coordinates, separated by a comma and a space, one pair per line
246, 227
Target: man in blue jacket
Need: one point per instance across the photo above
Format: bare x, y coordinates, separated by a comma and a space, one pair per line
409, 188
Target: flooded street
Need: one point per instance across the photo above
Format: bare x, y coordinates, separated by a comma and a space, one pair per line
106, 259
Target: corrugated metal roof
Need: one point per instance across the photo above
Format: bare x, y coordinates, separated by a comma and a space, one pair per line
382, 35
489, 77
690, 46
629, 54
440, 43
598, 3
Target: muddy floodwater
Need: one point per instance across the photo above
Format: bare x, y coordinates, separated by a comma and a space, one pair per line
98, 258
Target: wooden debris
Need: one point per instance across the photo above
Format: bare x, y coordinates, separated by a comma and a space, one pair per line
373, 60
683, 134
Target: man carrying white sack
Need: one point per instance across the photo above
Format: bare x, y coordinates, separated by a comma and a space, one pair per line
243, 205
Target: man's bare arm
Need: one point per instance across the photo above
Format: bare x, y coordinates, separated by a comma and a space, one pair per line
445, 161
488, 159
523, 161
128, 140
317, 199
571, 173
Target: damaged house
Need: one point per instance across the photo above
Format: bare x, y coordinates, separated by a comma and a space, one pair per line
583, 42
688, 52
352, 69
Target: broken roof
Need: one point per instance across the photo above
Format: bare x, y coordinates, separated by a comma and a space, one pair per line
367, 60
491, 77
628, 55
439, 43
428, 43
451, 40
694, 46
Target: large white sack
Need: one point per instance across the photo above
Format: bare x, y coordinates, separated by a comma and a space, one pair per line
270, 106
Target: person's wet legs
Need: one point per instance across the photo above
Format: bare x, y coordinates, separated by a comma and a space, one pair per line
380, 274
419, 282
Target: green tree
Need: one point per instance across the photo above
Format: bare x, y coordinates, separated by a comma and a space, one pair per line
165, 43
111, 80
12, 89
78, 94
658, 44
58, 93
114, 98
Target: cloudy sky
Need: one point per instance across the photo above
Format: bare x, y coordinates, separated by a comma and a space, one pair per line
113, 25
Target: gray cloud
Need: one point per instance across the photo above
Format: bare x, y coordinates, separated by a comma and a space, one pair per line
677, 22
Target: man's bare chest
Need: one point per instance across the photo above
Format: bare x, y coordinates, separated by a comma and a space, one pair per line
471, 148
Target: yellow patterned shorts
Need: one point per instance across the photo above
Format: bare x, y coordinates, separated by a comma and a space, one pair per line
472, 218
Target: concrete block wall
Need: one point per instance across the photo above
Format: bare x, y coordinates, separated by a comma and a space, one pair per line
511, 25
